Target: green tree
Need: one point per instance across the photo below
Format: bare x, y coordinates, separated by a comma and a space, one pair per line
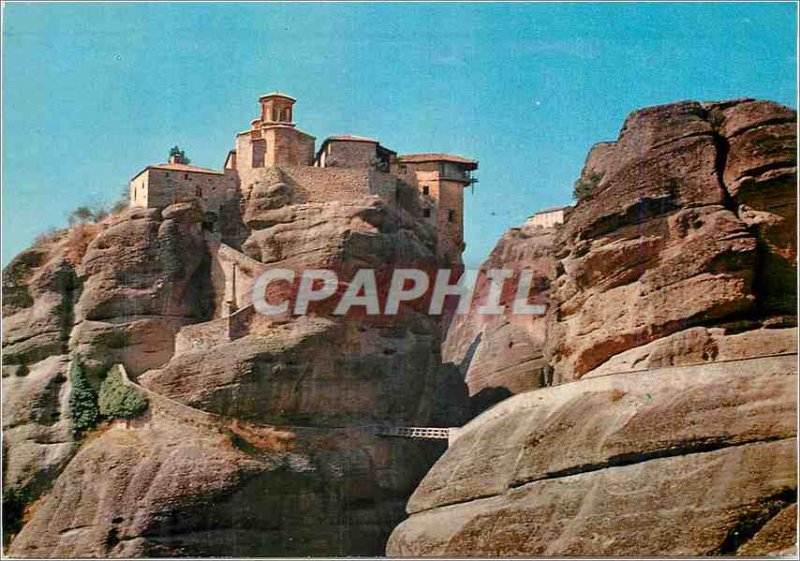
83, 407
176, 151
586, 185
80, 215
118, 400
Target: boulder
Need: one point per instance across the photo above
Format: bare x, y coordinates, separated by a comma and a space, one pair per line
701, 344
143, 266
340, 235
312, 371
677, 461
39, 289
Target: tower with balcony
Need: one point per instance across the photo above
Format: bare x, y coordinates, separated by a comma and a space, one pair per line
441, 180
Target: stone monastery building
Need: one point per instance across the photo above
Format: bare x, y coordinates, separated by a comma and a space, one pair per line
345, 167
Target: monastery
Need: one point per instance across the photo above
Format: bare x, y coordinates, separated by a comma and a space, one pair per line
345, 167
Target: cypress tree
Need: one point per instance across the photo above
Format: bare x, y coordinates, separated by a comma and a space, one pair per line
82, 400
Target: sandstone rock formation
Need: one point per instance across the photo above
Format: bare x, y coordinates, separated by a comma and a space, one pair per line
262, 438
183, 482
677, 462
671, 429
691, 224
670, 337
500, 355
39, 291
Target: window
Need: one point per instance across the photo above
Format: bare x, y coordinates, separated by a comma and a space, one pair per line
426, 190
186, 176
451, 216
426, 213
198, 191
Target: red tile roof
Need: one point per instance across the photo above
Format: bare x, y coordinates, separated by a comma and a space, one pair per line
184, 167
276, 94
351, 138
437, 157
179, 167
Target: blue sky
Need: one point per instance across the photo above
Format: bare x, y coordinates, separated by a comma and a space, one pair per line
94, 92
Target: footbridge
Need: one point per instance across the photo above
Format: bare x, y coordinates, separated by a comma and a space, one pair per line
421, 433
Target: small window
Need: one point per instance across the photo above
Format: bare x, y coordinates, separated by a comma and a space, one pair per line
426, 213
198, 191
167, 174
451, 216
426, 190
186, 176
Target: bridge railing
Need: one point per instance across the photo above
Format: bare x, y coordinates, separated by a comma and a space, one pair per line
429, 433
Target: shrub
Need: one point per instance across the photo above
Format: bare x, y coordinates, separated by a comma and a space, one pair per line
118, 400
80, 215
584, 187
176, 151
99, 214
78, 242
14, 503
82, 400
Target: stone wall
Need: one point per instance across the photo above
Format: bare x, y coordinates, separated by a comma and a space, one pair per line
321, 185
288, 146
450, 221
158, 188
348, 154
201, 336
232, 276
279, 145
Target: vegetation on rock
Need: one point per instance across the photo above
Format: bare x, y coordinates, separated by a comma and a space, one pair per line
14, 502
118, 400
83, 408
585, 186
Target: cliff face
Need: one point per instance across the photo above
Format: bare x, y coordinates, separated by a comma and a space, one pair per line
265, 444
671, 315
692, 223
500, 355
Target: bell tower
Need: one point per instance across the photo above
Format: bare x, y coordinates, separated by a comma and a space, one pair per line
276, 108
273, 139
